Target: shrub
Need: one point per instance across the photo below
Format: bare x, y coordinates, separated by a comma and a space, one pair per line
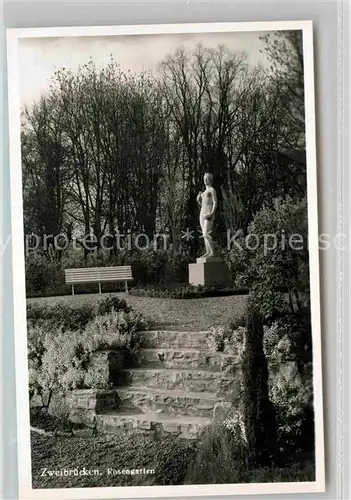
229, 339
216, 338
279, 378
72, 316
295, 418
235, 342
110, 303
287, 340
236, 426
59, 358
259, 414
44, 276
115, 330
36, 338
220, 458
183, 291
297, 326
279, 277
276, 342
60, 315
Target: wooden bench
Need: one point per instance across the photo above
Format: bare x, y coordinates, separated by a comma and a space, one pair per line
98, 275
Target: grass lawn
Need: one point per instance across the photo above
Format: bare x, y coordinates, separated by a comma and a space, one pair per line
166, 459
99, 453
104, 456
183, 314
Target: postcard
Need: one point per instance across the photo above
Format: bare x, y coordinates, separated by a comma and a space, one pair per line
165, 260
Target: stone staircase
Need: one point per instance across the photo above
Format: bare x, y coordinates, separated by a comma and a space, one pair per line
176, 388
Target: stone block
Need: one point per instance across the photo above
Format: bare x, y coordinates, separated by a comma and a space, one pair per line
107, 366
86, 417
209, 272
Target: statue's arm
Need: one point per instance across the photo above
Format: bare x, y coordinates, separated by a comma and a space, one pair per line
198, 199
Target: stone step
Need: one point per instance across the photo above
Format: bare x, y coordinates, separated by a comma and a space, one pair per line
167, 402
177, 379
186, 358
174, 339
181, 426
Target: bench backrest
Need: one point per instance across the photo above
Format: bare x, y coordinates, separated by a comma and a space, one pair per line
94, 274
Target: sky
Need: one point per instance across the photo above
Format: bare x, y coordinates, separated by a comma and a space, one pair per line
40, 57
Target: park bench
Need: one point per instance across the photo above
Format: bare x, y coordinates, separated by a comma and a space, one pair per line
98, 275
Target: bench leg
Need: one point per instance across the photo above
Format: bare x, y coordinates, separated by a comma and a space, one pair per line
72, 289
126, 283
99, 287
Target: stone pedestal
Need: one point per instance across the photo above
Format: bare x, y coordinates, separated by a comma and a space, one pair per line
209, 271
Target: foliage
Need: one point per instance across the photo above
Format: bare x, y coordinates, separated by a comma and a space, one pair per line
293, 400
236, 426
288, 340
216, 337
115, 330
235, 343
285, 52
72, 316
94, 125
299, 330
276, 342
229, 338
59, 358
258, 411
35, 346
220, 458
272, 260
60, 365
44, 276
110, 303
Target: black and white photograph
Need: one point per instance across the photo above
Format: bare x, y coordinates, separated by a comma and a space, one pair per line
165, 253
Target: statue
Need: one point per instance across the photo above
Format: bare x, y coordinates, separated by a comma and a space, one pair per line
208, 203
209, 270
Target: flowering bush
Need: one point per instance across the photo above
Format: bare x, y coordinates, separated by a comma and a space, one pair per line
291, 393
286, 344
276, 342
236, 426
230, 339
116, 330
59, 358
293, 400
235, 341
62, 362
215, 338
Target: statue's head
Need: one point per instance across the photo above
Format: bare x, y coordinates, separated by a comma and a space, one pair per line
208, 179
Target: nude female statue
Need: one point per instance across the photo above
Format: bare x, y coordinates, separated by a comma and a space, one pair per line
208, 203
